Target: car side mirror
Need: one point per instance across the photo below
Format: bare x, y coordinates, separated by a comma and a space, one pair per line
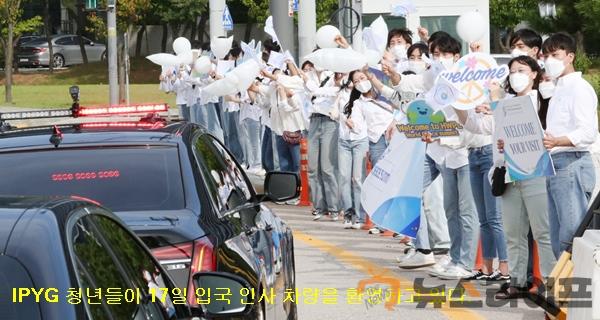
237, 304
282, 186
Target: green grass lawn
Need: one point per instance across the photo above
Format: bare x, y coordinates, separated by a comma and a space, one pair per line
57, 96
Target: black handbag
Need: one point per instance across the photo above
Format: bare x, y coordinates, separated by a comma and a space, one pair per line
498, 182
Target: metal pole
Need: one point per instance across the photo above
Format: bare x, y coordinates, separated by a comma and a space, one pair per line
283, 24
216, 8
307, 27
113, 78
126, 37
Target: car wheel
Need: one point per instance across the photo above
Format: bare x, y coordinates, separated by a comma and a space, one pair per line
58, 61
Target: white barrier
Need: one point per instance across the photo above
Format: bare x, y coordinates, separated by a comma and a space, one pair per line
586, 259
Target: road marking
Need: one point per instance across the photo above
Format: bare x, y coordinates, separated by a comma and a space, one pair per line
382, 274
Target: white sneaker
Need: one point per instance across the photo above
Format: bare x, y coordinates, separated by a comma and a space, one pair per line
293, 202
335, 216
347, 224
417, 260
440, 266
409, 253
374, 231
455, 272
357, 226
317, 216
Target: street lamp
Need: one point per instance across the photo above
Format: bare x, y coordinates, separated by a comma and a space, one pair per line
547, 9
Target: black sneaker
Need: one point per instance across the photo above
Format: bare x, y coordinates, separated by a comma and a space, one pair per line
440, 251
496, 277
478, 275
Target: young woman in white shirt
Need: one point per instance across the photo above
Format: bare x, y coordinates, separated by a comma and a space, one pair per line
352, 150
524, 203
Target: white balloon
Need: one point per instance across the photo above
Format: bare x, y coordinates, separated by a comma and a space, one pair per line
337, 59
245, 74
220, 88
325, 36
220, 46
186, 57
181, 45
202, 65
164, 59
373, 57
380, 31
471, 26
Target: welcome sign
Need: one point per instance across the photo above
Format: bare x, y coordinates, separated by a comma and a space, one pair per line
422, 118
472, 75
518, 124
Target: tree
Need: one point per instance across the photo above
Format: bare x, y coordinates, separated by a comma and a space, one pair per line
505, 15
48, 32
11, 28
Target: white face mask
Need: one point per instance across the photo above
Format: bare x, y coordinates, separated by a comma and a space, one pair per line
519, 81
417, 67
546, 89
364, 86
399, 52
446, 62
517, 53
554, 67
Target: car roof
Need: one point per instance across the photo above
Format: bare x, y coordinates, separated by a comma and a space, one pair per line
75, 135
12, 209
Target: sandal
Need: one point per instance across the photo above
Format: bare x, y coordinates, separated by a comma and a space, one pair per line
510, 292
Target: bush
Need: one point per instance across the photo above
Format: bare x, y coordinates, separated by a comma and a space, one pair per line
582, 62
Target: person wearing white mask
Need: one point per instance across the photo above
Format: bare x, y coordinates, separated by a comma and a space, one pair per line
398, 42
353, 147
572, 127
525, 42
524, 202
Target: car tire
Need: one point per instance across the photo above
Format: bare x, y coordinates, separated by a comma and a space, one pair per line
58, 61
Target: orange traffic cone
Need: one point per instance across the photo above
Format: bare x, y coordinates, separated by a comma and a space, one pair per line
368, 225
537, 274
479, 258
304, 191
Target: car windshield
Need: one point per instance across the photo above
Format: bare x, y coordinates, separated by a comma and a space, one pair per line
122, 179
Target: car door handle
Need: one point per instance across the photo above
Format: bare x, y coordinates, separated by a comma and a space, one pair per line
250, 231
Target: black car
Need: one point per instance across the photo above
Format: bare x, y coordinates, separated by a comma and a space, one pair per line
178, 188
67, 258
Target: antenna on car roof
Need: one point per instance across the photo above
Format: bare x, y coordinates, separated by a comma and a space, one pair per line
56, 137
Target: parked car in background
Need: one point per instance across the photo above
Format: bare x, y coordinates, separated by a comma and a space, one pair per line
66, 51
84, 263
24, 39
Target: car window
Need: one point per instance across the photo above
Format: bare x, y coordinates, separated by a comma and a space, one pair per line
224, 183
64, 41
122, 179
111, 262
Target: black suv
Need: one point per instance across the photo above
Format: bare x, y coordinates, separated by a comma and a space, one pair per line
178, 188
67, 258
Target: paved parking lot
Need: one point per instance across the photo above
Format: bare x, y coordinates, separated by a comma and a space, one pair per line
337, 261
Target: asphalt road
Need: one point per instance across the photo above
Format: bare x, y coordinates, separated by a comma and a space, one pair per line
332, 263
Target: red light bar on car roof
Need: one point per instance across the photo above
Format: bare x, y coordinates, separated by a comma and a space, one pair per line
120, 110
101, 125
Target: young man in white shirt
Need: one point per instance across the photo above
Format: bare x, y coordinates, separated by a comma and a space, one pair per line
571, 128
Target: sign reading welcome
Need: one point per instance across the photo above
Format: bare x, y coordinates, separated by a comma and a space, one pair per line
518, 124
472, 75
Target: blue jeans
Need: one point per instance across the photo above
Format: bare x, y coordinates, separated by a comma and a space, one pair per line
352, 167
460, 213
267, 150
250, 140
289, 155
322, 161
184, 111
207, 116
569, 192
377, 149
493, 242
232, 138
